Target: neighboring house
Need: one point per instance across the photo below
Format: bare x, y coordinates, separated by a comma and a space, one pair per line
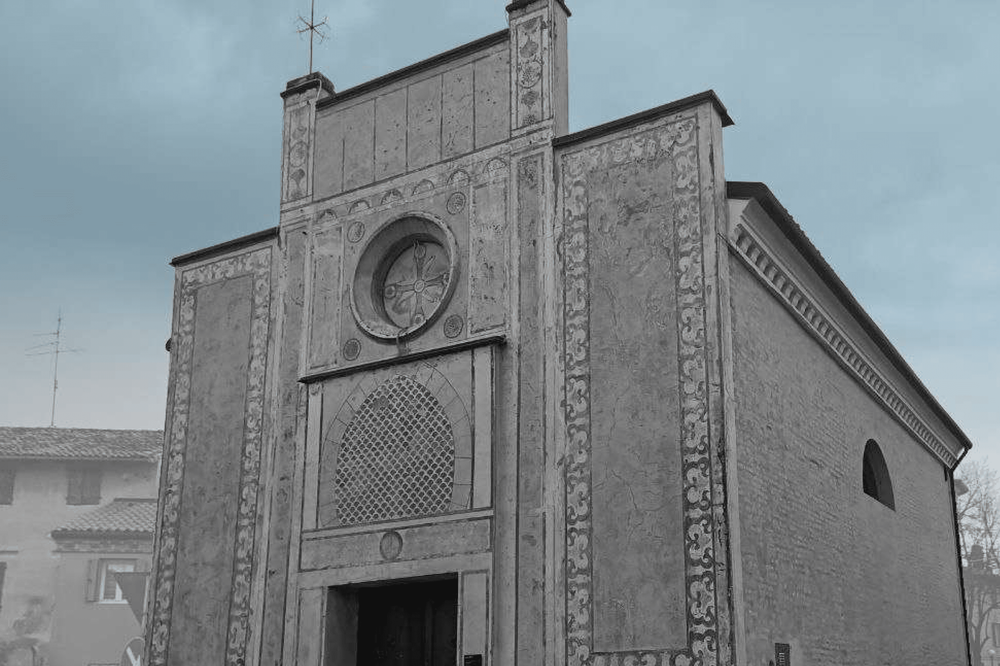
92, 619
48, 478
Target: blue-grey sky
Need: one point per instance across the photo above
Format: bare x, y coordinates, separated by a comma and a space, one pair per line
132, 131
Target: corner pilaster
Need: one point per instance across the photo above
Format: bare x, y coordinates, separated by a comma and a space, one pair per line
539, 74
298, 139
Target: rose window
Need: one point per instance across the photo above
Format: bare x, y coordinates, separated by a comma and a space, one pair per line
415, 283
404, 277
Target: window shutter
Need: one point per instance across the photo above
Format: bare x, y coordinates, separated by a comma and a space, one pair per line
3, 575
73, 487
92, 578
92, 486
6, 486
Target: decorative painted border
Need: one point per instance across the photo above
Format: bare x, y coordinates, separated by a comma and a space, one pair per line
530, 53
257, 264
765, 264
679, 141
297, 146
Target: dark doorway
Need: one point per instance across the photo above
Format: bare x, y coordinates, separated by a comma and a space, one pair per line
408, 624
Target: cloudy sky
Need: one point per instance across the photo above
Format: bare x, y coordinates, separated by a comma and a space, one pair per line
132, 131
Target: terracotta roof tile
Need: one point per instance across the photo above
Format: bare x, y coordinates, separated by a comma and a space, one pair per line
122, 516
80, 443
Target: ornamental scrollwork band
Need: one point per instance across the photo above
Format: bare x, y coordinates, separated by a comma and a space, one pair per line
256, 264
677, 141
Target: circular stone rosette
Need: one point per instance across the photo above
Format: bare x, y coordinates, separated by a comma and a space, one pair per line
405, 277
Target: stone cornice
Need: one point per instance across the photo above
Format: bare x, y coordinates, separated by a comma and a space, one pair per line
765, 263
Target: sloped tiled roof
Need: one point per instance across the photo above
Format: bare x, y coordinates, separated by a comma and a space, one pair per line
80, 444
121, 517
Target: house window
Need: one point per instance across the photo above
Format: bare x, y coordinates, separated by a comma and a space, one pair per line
6, 485
84, 486
875, 475
996, 633
110, 591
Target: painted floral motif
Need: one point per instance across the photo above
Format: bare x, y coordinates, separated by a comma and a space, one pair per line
298, 152
530, 34
676, 141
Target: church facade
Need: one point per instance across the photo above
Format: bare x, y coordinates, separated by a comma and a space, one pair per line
495, 393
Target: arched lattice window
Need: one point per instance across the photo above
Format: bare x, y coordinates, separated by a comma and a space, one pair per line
875, 475
397, 456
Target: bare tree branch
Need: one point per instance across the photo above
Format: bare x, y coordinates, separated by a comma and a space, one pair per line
978, 515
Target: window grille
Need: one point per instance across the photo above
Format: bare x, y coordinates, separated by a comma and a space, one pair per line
397, 456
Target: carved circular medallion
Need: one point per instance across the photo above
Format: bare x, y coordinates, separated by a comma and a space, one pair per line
453, 326
352, 348
390, 545
456, 203
356, 232
404, 277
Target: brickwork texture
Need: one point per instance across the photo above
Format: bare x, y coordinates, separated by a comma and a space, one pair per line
841, 578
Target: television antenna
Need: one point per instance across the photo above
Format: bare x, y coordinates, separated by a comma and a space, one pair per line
52, 348
313, 29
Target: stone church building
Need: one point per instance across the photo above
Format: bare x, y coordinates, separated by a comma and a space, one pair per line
495, 394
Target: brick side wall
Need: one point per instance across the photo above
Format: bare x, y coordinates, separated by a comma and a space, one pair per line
827, 569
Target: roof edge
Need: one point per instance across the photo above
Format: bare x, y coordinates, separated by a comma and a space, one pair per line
303, 83
226, 246
151, 458
762, 194
409, 70
521, 4
645, 116
97, 534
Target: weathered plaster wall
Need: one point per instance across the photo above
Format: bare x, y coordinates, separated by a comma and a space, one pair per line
201, 599
636, 460
212, 475
644, 552
827, 569
434, 115
284, 432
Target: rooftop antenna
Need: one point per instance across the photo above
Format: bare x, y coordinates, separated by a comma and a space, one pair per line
313, 29
52, 348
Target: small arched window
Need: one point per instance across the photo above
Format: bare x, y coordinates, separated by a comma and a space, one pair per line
875, 475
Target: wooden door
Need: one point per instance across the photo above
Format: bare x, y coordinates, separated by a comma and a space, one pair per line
411, 624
